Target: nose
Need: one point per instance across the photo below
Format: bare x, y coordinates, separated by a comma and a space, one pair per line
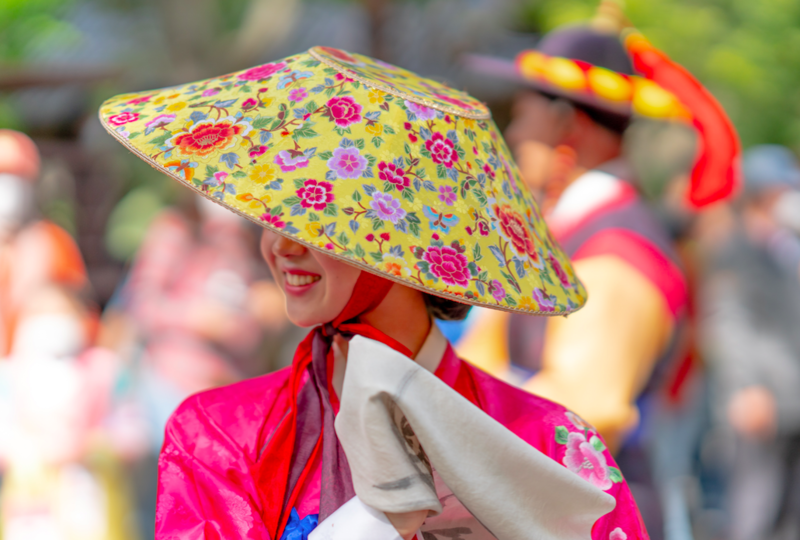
286, 247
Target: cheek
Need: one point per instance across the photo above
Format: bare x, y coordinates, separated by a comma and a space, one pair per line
340, 280
268, 239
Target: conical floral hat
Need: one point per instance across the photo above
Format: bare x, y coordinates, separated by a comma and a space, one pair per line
366, 162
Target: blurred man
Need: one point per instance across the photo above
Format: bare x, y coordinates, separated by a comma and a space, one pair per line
569, 148
33, 252
751, 316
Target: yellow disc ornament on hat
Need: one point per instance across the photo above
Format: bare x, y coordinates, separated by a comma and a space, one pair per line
367, 162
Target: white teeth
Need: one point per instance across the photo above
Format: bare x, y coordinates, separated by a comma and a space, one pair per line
298, 280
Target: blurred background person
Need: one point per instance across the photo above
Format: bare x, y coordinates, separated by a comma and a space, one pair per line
62, 481
751, 313
567, 131
33, 251
195, 311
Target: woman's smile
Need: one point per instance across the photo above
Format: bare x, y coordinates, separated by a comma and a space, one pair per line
297, 282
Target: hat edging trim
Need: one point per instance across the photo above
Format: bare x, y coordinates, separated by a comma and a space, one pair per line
398, 93
352, 262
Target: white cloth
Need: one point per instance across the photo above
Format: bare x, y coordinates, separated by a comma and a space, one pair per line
392, 408
354, 520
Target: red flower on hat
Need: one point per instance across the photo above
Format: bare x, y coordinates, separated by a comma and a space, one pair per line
123, 118
339, 54
207, 138
448, 264
344, 111
558, 269
261, 72
442, 150
389, 172
315, 194
515, 229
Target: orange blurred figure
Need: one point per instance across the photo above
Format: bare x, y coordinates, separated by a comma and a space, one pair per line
33, 252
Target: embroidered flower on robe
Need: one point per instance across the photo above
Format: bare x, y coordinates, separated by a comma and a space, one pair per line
587, 461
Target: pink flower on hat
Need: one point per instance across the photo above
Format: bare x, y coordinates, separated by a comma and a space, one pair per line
448, 264
315, 194
587, 462
275, 221
344, 110
123, 118
498, 292
261, 72
389, 172
298, 94
558, 269
442, 150
137, 101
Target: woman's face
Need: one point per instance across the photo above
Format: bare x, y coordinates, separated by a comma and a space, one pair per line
316, 286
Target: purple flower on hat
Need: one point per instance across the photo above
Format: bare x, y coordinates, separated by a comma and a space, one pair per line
420, 111
210, 92
498, 292
545, 301
158, 122
447, 195
289, 163
261, 72
387, 207
347, 162
298, 94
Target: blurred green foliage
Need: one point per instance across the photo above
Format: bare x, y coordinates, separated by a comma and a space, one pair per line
746, 52
24, 23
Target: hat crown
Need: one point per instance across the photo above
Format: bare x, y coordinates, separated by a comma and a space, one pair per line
588, 45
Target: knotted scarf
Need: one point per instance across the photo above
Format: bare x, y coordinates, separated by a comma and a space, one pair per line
307, 430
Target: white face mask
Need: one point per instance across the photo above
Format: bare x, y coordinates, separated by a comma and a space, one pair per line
16, 201
52, 335
786, 211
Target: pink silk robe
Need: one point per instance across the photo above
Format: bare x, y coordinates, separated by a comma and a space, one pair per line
214, 440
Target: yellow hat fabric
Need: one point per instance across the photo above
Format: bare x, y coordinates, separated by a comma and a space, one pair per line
366, 162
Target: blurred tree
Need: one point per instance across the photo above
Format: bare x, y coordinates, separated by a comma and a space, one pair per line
746, 52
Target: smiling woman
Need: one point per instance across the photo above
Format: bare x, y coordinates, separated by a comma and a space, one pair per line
377, 430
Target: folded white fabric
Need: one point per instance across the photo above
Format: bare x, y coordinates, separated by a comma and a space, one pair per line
355, 520
392, 409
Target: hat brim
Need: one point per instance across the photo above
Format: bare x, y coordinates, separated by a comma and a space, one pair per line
400, 182
502, 68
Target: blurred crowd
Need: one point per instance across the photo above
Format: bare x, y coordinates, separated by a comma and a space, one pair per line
85, 392
698, 396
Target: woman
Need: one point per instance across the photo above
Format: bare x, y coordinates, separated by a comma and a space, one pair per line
387, 199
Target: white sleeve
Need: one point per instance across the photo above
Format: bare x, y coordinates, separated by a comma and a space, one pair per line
355, 520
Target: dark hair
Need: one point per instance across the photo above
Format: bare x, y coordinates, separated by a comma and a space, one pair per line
445, 309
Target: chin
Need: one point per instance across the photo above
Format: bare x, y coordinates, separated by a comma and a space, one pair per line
304, 320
